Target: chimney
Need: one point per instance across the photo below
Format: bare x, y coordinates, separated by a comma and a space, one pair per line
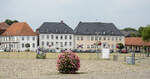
61, 21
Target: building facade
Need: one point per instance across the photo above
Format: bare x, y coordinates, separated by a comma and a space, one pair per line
17, 36
56, 36
89, 34
136, 44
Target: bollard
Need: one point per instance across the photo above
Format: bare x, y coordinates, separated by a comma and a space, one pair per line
147, 54
130, 60
124, 58
115, 57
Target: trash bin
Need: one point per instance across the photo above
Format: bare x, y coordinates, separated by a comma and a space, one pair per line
130, 60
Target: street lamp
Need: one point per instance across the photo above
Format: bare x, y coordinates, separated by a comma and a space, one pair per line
97, 33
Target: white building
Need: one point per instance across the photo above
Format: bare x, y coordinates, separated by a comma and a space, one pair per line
89, 34
17, 36
56, 36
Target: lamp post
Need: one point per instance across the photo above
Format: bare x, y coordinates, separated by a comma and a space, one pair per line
97, 33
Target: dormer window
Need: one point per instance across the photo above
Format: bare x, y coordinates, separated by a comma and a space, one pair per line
46, 30
56, 30
65, 30
104, 33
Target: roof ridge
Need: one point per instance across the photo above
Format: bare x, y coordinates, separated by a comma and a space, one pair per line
96, 22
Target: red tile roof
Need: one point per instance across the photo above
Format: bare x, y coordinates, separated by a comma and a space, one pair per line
19, 29
3, 26
135, 41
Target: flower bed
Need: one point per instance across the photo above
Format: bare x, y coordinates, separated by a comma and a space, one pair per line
68, 63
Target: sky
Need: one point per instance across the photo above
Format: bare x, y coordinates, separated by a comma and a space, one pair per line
123, 13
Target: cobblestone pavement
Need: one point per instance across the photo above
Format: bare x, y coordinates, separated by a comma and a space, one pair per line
90, 69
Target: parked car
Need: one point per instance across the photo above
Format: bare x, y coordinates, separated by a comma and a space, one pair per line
124, 51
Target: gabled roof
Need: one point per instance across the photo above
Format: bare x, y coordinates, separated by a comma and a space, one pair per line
94, 28
19, 29
55, 28
3, 26
135, 41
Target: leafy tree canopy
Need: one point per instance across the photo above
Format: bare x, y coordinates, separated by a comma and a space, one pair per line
10, 22
129, 29
120, 46
146, 33
140, 29
27, 45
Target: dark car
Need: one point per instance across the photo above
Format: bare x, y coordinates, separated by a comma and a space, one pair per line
124, 51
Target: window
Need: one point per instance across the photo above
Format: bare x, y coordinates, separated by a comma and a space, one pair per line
81, 38
47, 43
65, 43
22, 38
104, 45
92, 46
61, 44
52, 43
65, 36
70, 43
33, 38
47, 36
99, 38
92, 38
52, 36
112, 38
96, 38
56, 37
120, 38
77, 38
42, 43
22, 45
61, 37
28, 38
104, 38
70, 37
108, 38
116, 38
56, 43
88, 46
42, 36
33, 45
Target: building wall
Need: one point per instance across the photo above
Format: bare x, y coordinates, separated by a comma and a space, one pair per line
32, 40
56, 42
88, 41
15, 43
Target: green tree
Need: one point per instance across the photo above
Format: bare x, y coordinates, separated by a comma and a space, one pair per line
146, 35
133, 34
120, 46
140, 31
10, 22
27, 45
129, 29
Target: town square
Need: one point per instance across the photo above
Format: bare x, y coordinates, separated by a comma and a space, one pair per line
72, 39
